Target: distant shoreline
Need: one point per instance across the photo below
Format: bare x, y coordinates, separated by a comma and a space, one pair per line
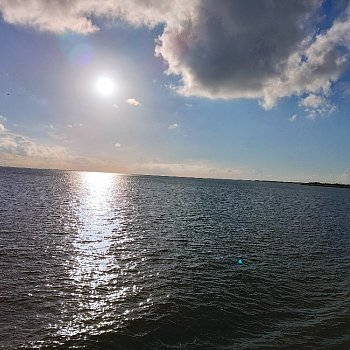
322, 184
319, 184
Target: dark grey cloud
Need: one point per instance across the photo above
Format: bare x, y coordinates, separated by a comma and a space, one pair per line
241, 44
234, 48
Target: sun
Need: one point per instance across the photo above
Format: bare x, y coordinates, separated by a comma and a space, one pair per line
105, 86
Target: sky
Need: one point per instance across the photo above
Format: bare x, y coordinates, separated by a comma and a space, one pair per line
253, 89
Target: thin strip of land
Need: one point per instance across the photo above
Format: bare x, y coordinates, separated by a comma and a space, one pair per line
325, 184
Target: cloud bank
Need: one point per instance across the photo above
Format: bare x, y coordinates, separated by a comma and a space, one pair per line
20, 145
230, 49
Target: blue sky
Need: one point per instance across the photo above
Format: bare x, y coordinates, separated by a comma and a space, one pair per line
230, 89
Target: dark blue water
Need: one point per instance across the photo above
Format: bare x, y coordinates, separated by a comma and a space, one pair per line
105, 261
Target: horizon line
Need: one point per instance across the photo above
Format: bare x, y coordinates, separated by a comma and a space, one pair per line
315, 183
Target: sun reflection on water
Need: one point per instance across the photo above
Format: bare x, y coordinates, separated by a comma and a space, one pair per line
96, 233
94, 266
107, 268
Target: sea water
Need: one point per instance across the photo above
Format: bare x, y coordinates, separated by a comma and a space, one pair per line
107, 261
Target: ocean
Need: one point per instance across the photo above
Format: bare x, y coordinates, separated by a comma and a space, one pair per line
108, 261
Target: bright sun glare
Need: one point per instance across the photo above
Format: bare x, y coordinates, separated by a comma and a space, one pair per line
105, 85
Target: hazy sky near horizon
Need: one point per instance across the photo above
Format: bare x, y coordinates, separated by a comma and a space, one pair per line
254, 89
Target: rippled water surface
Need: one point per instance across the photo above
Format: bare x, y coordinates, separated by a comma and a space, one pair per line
106, 261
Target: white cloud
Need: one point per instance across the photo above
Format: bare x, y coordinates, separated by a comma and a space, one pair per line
173, 126
316, 105
265, 50
313, 68
54, 16
117, 145
293, 118
76, 15
115, 105
2, 123
133, 102
312, 101
346, 91
75, 125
